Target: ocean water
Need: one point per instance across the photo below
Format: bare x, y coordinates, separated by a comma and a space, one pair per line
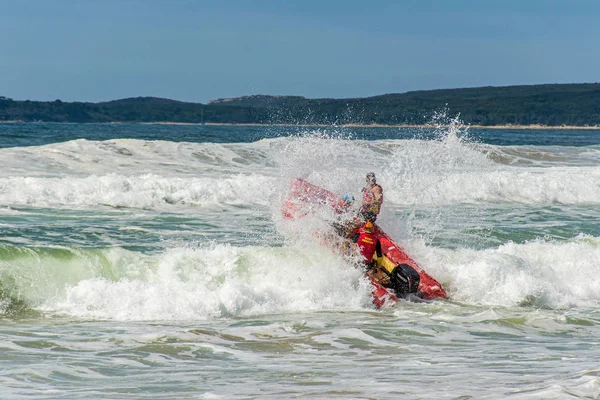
152, 262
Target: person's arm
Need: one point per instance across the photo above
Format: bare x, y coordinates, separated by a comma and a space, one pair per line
377, 194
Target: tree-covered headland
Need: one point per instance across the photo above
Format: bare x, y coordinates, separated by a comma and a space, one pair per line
550, 105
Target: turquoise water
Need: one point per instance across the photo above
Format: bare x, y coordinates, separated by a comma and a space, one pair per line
152, 261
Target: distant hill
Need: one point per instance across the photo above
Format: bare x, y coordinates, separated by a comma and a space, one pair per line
552, 105
260, 100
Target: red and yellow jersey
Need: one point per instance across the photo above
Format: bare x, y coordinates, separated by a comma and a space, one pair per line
366, 244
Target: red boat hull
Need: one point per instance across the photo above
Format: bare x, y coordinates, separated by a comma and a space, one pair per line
304, 197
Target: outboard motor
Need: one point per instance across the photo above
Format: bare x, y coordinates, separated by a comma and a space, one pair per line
405, 280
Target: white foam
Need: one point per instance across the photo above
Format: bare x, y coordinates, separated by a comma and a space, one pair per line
141, 191
206, 282
150, 174
131, 157
576, 185
537, 273
220, 281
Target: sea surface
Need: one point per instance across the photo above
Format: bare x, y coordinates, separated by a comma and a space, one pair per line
153, 262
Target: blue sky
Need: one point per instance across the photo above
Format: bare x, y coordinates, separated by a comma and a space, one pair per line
197, 50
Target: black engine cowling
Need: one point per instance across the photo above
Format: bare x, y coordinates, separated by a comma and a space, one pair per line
405, 280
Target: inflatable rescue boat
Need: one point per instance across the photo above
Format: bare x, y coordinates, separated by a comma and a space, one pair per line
392, 272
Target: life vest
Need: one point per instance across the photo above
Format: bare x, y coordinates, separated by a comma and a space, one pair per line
368, 200
366, 243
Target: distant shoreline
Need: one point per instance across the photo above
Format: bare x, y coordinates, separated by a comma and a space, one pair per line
519, 127
533, 107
